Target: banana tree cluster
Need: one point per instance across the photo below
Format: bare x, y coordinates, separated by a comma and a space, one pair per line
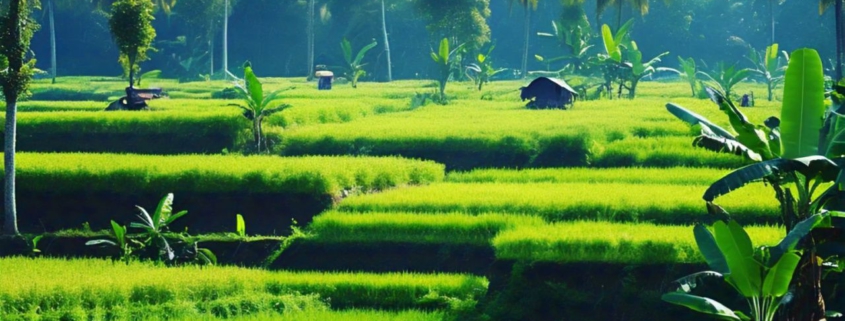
576, 40
769, 65
623, 60
482, 70
800, 152
725, 76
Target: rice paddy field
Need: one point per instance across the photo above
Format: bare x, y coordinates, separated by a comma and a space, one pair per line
368, 206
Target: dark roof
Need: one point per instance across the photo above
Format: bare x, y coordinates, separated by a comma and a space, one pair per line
556, 81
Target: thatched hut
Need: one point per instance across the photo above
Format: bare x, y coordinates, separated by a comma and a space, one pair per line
547, 92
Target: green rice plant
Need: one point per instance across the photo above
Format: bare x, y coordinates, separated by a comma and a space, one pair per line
321, 314
154, 133
628, 243
67, 285
618, 202
68, 173
629, 175
660, 152
403, 227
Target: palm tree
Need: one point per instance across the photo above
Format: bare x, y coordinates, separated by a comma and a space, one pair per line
386, 43
840, 25
640, 5
528, 5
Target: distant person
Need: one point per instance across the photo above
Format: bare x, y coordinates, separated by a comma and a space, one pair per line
324, 78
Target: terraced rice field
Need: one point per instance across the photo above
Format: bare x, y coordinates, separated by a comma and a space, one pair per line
386, 196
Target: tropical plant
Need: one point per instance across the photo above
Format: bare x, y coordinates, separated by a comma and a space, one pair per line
762, 276
258, 106
131, 27
688, 72
354, 67
637, 69
445, 60
123, 244
32, 244
154, 226
16, 30
769, 66
577, 40
483, 70
809, 135
642, 6
611, 62
725, 77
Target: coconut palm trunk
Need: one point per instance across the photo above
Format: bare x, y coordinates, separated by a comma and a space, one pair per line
772, 16
52, 40
16, 47
527, 37
386, 42
840, 38
310, 44
226, 41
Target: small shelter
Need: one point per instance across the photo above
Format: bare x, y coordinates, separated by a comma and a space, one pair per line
548, 92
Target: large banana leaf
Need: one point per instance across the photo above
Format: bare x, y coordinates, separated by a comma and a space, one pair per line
444, 51
803, 104
253, 86
346, 46
832, 136
779, 276
701, 304
748, 134
610, 45
736, 246
790, 241
363, 52
710, 250
696, 119
725, 145
810, 166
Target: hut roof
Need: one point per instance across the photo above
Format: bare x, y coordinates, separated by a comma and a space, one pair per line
556, 81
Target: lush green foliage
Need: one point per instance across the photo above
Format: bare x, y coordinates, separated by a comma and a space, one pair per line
258, 106
572, 201
610, 242
436, 228
215, 174
669, 176
101, 287
131, 27
354, 66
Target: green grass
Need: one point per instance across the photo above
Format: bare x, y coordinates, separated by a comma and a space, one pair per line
611, 243
658, 203
99, 285
673, 176
57, 173
440, 228
319, 314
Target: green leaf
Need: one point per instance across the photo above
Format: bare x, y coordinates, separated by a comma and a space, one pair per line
444, 51
700, 304
347, 50
241, 225
710, 250
803, 104
724, 145
811, 166
748, 134
119, 232
100, 242
363, 52
174, 217
696, 119
253, 86
790, 241
736, 246
207, 256
163, 210
780, 275
610, 46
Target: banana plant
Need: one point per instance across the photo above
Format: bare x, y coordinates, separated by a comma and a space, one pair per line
444, 58
762, 276
154, 226
123, 243
725, 76
769, 65
354, 67
637, 69
688, 71
813, 140
576, 40
482, 71
258, 106
615, 42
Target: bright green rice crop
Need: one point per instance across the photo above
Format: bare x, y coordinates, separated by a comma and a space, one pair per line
318, 314
658, 203
217, 173
611, 242
674, 176
55, 284
441, 228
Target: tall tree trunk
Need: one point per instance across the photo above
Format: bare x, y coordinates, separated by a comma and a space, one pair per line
226, 41
52, 40
211, 57
15, 56
386, 43
131, 71
310, 45
527, 34
618, 14
840, 38
772, 15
